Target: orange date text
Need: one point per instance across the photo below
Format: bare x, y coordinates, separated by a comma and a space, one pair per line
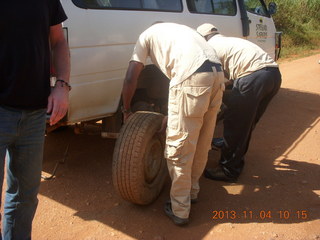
259, 214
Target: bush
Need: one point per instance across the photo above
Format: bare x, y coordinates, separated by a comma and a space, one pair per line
299, 20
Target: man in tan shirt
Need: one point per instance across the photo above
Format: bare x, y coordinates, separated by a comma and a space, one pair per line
195, 93
256, 79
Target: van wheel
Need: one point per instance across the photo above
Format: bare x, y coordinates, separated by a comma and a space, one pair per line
139, 168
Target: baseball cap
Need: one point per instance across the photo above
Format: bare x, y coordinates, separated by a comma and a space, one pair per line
206, 29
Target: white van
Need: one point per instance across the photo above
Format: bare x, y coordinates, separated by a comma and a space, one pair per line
101, 36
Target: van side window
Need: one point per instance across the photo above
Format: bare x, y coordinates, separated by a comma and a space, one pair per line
219, 7
257, 7
152, 5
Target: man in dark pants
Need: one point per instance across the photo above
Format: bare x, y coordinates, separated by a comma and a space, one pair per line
256, 80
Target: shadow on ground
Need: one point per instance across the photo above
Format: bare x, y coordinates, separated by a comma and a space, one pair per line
273, 187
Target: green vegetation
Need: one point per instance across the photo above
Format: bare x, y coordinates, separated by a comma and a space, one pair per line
299, 20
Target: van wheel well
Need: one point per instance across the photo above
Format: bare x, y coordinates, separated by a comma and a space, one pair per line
152, 91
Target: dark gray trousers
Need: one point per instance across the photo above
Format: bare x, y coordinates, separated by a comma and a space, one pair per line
245, 104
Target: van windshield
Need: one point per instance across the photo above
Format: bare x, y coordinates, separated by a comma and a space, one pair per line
155, 5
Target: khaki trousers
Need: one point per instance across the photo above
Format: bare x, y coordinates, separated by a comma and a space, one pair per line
192, 112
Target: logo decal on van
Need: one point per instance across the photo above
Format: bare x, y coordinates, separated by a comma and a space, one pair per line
262, 32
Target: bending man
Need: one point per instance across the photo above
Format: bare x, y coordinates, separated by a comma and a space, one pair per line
256, 80
194, 99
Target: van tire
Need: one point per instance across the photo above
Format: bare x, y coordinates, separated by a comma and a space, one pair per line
139, 169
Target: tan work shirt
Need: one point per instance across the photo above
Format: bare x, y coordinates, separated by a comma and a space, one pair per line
176, 49
240, 57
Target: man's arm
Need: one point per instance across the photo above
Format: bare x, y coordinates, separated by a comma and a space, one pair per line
58, 100
130, 85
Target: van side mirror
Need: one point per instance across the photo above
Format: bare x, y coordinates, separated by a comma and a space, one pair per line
272, 8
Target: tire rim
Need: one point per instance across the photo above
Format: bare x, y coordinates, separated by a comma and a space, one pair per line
153, 160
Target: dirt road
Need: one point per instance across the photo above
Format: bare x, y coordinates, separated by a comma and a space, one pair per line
276, 198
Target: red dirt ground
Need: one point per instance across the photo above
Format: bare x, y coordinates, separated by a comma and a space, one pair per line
277, 196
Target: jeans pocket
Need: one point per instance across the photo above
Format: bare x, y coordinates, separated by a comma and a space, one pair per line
175, 143
195, 101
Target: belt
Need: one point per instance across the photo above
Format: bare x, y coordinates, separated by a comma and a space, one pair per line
207, 67
270, 68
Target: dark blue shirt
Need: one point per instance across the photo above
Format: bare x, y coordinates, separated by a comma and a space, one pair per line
25, 51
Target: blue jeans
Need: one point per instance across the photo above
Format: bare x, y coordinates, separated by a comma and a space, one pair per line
22, 137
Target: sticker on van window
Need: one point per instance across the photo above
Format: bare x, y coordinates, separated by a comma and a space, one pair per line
262, 32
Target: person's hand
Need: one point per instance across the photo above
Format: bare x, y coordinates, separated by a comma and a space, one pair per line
163, 124
58, 103
229, 83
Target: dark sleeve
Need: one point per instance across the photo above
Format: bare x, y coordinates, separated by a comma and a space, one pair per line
57, 13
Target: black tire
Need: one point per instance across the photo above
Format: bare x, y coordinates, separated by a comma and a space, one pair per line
139, 169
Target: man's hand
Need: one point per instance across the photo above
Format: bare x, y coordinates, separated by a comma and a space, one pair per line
58, 100
58, 103
229, 83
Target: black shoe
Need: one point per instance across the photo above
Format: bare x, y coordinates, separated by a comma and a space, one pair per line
219, 175
177, 220
217, 143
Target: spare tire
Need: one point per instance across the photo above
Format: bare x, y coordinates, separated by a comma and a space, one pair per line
139, 169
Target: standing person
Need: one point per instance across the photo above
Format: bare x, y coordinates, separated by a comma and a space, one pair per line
195, 92
28, 31
256, 80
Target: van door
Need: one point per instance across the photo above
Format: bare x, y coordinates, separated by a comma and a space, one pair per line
101, 35
261, 26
